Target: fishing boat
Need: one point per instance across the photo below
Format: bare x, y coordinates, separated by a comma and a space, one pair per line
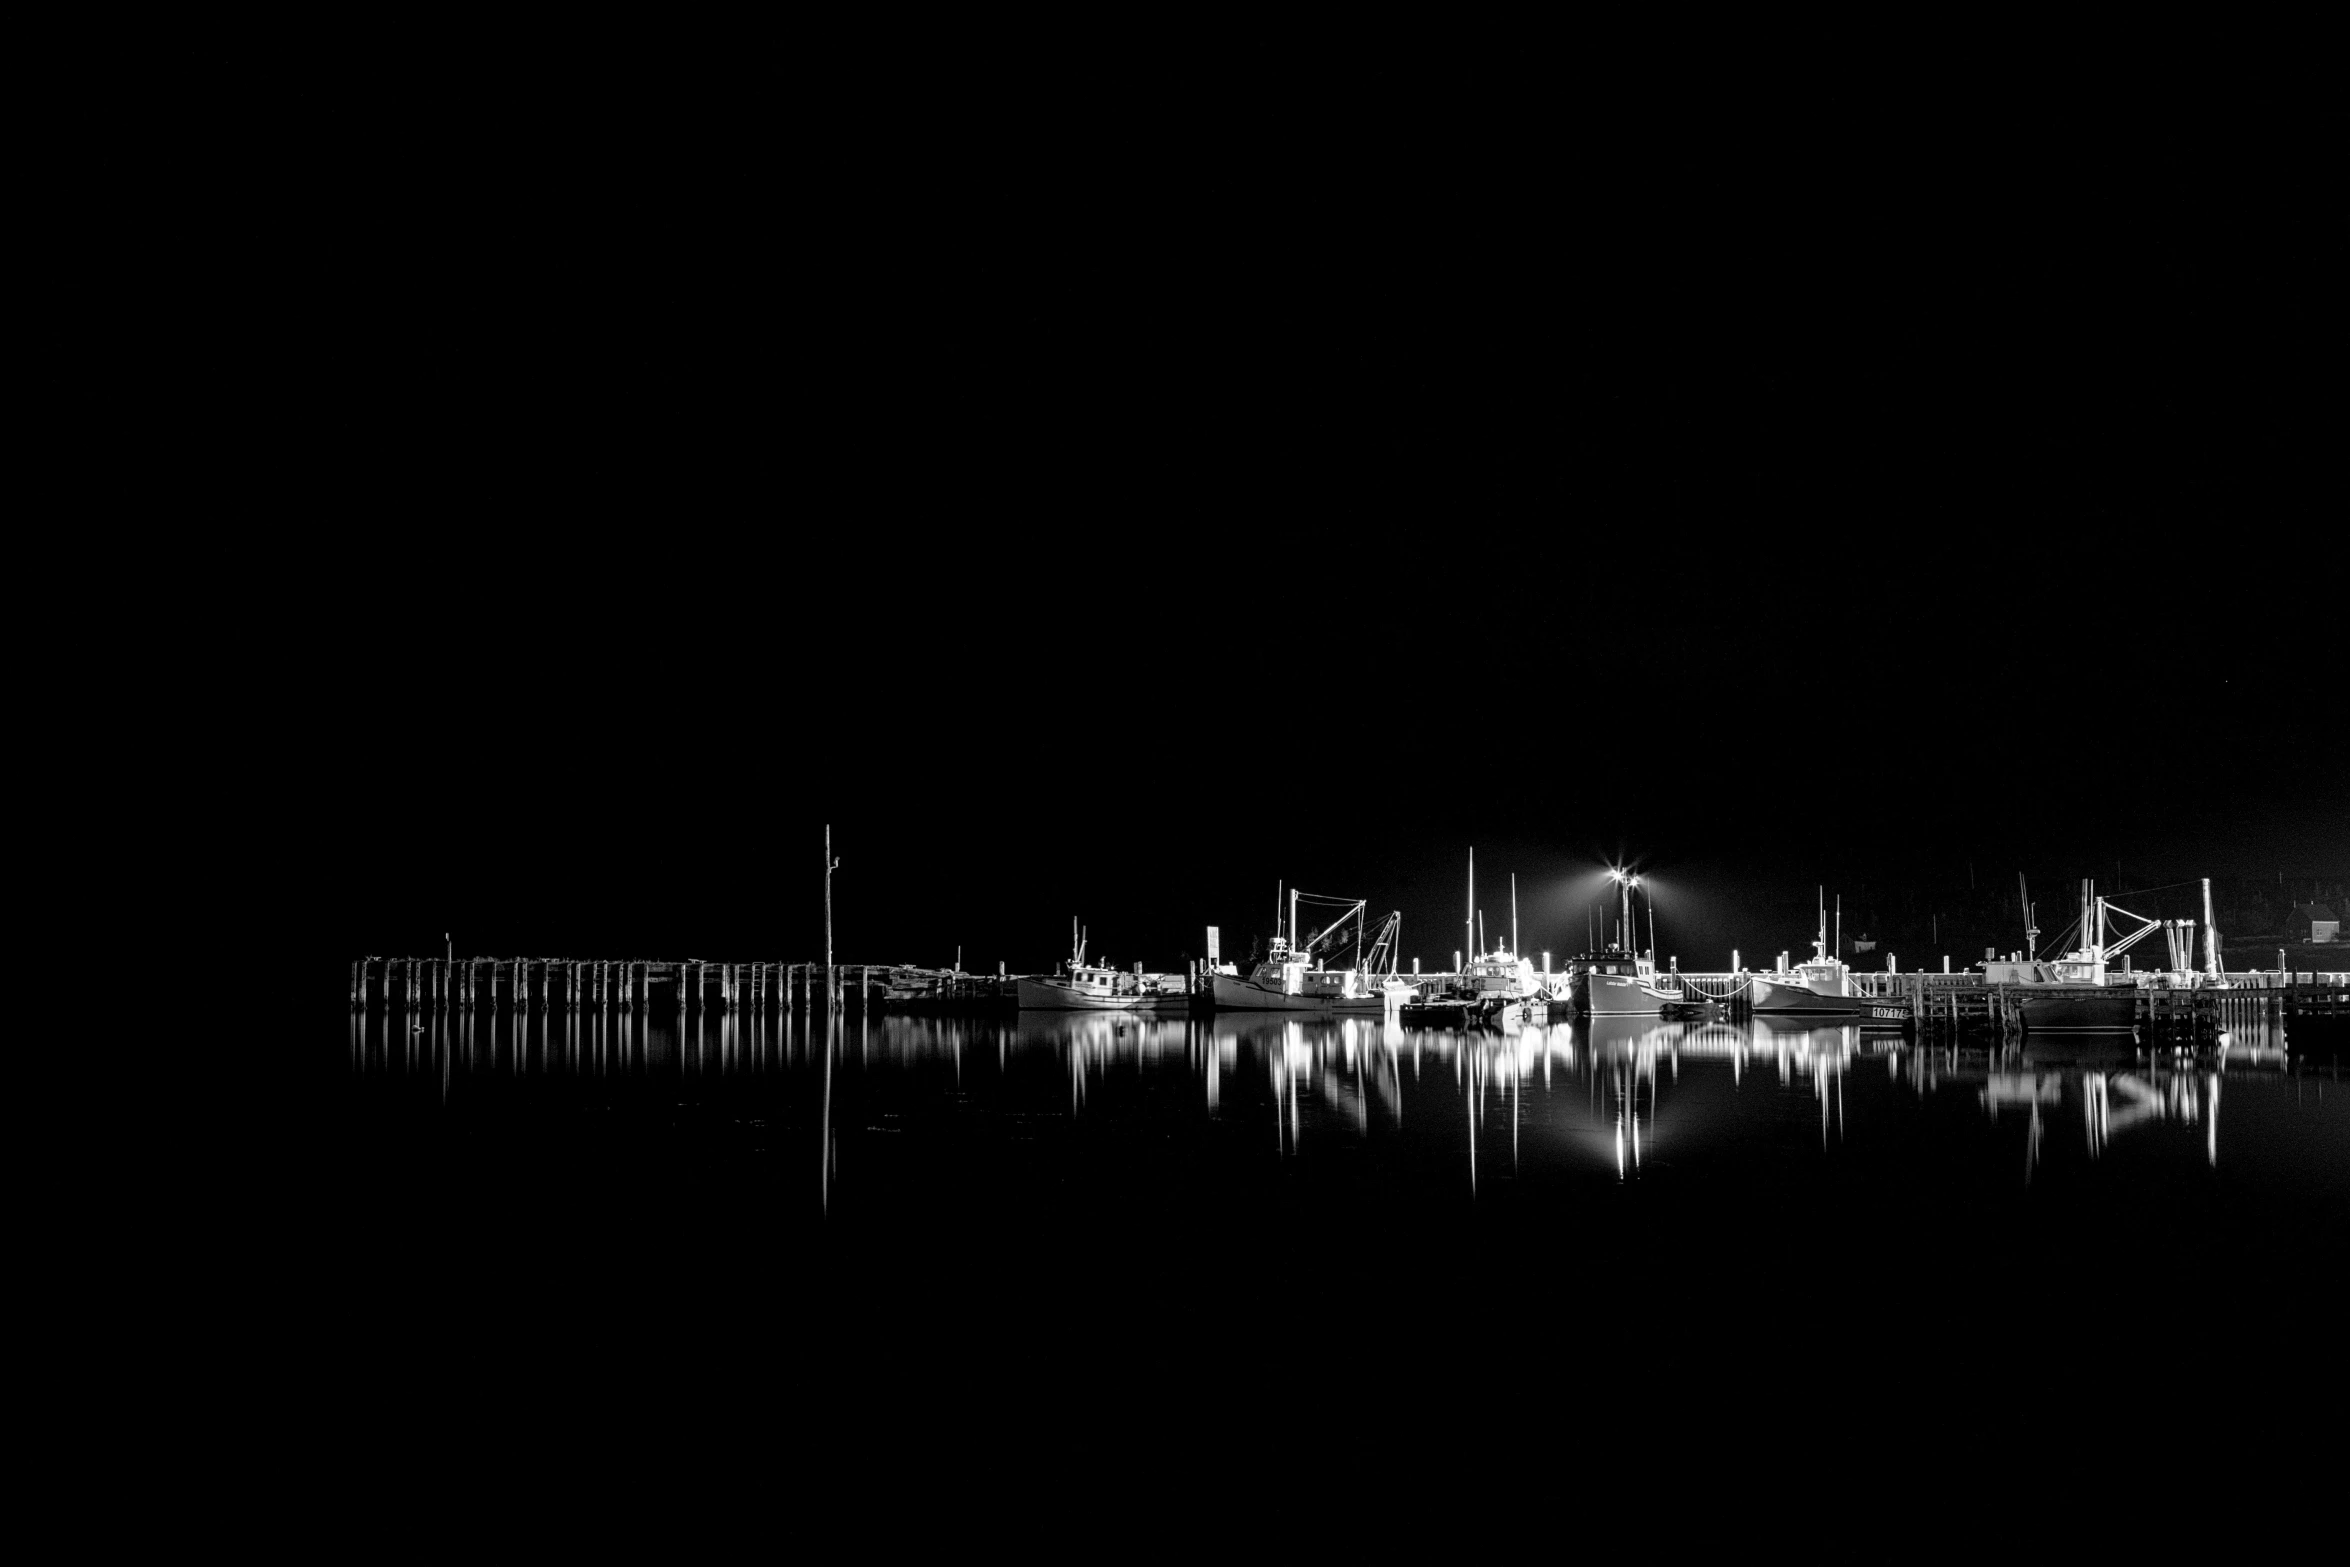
1497, 987
1614, 981
1500, 984
1294, 975
914, 989
1822, 987
1080, 986
2075, 994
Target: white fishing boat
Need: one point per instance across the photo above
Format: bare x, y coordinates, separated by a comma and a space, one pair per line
1824, 986
1079, 986
1294, 975
1493, 987
1500, 987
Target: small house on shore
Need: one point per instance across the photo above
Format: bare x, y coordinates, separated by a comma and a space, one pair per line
2320, 921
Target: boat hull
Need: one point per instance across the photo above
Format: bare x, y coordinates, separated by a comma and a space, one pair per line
2096, 1009
1770, 996
1615, 995
1044, 996
1236, 994
1489, 1012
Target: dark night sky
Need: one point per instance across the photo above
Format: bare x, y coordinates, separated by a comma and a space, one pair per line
1113, 502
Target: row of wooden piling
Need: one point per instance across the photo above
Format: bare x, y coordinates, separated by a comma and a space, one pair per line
580, 984
2200, 1012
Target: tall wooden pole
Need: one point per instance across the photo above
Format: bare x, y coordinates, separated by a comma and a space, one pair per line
831, 984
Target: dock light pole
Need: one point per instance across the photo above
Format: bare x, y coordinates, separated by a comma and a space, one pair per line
1627, 881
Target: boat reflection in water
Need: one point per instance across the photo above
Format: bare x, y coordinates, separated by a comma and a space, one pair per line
1598, 1099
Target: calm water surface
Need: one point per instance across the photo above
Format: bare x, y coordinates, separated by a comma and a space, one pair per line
1690, 1160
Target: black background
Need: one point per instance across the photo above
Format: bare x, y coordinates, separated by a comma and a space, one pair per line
1115, 493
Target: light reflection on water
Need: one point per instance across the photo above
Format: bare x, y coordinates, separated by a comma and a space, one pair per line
1613, 1099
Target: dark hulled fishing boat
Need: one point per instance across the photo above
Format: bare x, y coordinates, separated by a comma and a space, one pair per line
1616, 983
2073, 994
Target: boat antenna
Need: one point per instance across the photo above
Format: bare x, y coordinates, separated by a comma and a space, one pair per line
1652, 927
1480, 932
1513, 914
1821, 940
1277, 886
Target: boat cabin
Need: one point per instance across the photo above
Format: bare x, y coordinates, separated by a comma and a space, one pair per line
2085, 967
1500, 972
1093, 980
1828, 978
1284, 970
1612, 960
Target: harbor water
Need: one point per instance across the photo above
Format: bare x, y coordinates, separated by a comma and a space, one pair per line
933, 1168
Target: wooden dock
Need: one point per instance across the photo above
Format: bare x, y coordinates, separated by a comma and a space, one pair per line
580, 984
1963, 1004
1939, 1004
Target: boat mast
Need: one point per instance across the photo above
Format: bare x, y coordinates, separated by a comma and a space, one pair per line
1820, 942
1840, 927
1471, 920
1513, 914
1293, 952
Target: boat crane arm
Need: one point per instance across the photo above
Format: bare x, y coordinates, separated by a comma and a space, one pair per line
2146, 927
1384, 943
1325, 937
